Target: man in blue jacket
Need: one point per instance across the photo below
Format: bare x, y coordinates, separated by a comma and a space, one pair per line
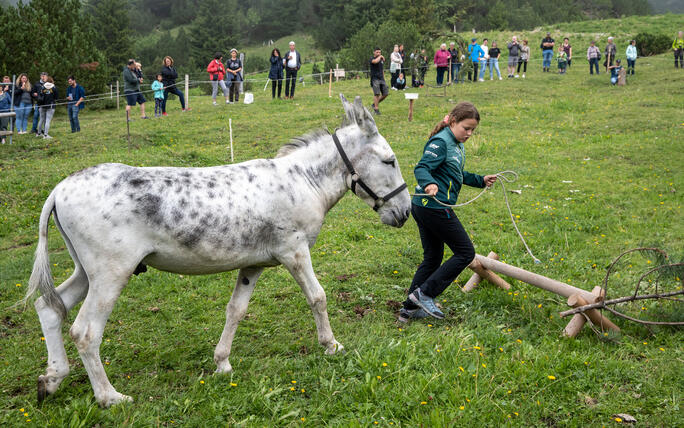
76, 97
476, 54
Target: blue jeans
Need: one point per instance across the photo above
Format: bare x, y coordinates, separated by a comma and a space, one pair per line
548, 56
593, 62
494, 64
630, 65
173, 90
36, 117
455, 68
23, 112
483, 66
72, 112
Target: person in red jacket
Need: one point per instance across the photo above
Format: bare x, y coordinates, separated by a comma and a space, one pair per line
441, 61
217, 72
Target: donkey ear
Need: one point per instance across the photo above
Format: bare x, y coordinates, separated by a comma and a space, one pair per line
350, 114
364, 118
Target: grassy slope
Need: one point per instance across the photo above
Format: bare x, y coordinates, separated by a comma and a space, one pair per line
487, 363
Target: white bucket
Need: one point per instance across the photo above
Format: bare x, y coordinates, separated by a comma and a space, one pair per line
249, 98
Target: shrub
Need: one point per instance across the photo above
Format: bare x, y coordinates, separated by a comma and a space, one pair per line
652, 44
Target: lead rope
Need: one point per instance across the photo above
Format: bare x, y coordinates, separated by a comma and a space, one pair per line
503, 178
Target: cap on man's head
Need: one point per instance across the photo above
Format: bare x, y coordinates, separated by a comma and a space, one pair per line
451, 43
233, 50
610, 38
473, 39
291, 43
43, 73
131, 62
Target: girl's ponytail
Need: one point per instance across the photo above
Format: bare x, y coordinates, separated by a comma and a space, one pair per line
463, 110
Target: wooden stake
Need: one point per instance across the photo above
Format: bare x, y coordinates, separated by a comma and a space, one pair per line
490, 276
330, 85
230, 126
410, 118
578, 320
117, 94
187, 92
593, 314
474, 280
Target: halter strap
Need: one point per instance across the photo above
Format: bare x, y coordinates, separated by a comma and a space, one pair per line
379, 201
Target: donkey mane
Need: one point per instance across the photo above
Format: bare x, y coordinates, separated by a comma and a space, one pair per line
304, 141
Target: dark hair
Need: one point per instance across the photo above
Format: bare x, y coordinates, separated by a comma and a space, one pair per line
157, 75
463, 110
485, 40
218, 55
71, 77
376, 49
275, 50
565, 38
130, 62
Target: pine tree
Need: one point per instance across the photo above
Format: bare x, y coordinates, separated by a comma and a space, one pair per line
111, 23
215, 29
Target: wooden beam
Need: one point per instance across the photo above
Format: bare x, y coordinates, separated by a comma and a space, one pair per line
578, 320
490, 276
474, 280
593, 314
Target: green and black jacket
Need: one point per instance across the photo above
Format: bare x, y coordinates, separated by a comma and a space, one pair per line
443, 164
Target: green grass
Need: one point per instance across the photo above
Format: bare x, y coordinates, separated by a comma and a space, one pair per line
488, 363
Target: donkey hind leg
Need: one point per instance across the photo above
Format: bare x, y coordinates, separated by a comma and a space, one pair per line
87, 330
235, 311
72, 291
299, 266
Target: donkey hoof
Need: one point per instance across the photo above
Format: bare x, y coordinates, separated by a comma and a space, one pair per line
334, 348
223, 367
42, 388
113, 399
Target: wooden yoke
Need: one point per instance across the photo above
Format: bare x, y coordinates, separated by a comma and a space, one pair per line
479, 273
593, 314
577, 322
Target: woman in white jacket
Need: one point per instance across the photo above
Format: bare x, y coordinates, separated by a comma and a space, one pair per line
395, 66
631, 56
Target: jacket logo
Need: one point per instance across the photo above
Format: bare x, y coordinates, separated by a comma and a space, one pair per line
433, 145
424, 201
433, 154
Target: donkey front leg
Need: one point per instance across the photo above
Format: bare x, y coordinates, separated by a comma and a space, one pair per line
235, 311
87, 334
299, 266
72, 291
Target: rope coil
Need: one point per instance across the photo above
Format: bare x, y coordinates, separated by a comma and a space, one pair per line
504, 176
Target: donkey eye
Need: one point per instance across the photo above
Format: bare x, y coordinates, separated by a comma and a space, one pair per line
389, 162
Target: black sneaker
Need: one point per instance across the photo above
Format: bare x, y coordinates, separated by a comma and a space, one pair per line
376, 111
406, 315
426, 303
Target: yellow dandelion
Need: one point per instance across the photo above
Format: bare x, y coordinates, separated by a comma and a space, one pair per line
618, 419
42, 338
501, 349
292, 388
518, 340
662, 349
18, 285
202, 382
516, 413
233, 384
461, 368
461, 407
384, 364
378, 377
303, 390
552, 377
293, 381
303, 419
476, 347
396, 271
422, 403
21, 410
509, 391
484, 365
26, 415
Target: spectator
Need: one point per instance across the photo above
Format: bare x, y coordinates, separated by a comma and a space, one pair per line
276, 72
484, 59
414, 68
293, 62
423, 65
158, 88
593, 56
441, 61
476, 53
377, 79
217, 72
631, 55
514, 50
76, 103
547, 47
169, 76
494, 54
234, 76
36, 108
611, 51
524, 57
678, 49
615, 71
5, 106
567, 49
22, 102
401, 82
562, 61
404, 69
132, 81
395, 66
455, 57
47, 97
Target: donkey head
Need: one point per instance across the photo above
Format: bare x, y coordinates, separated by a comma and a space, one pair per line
378, 180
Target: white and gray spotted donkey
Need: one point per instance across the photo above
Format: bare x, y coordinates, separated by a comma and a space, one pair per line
116, 219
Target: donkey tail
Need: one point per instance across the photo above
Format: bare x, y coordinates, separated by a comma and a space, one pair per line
41, 277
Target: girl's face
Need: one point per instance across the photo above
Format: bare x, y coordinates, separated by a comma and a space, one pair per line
159, 78
464, 129
23, 79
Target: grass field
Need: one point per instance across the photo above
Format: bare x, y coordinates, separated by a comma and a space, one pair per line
600, 172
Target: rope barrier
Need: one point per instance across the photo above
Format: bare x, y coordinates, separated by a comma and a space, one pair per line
503, 178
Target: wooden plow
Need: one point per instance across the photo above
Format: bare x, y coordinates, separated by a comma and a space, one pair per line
587, 304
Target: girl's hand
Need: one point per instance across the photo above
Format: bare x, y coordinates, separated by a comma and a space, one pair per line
489, 180
431, 189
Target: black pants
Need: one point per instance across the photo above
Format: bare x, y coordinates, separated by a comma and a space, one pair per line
438, 227
290, 79
521, 62
395, 76
173, 90
475, 67
679, 54
274, 83
234, 91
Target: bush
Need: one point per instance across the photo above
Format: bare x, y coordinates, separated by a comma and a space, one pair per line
652, 44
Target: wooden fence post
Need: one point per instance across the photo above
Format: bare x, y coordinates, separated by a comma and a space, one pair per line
117, 95
187, 91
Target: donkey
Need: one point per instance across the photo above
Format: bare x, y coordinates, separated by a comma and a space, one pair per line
116, 220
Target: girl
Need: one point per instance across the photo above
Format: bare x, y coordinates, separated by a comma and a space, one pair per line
631, 56
234, 76
47, 97
440, 173
494, 54
524, 57
217, 72
22, 102
276, 72
169, 76
567, 49
395, 66
158, 88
